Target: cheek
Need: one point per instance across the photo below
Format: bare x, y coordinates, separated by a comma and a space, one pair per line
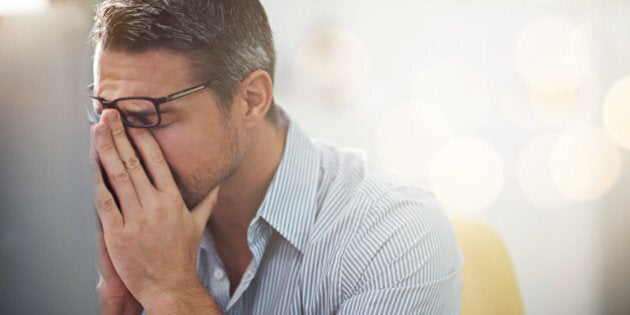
180, 152
186, 150
199, 143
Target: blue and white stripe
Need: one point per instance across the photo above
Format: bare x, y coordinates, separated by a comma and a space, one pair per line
333, 237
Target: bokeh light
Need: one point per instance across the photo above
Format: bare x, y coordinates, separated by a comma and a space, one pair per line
616, 112
467, 175
585, 163
336, 61
563, 108
407, 138
456, 92
552, 55
534, 173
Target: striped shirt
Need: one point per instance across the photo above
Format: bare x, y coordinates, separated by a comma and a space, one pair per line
333, 237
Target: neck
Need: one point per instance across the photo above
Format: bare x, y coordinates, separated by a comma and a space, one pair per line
242, 193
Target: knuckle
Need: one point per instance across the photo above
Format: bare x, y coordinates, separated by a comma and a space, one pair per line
155, 206
117, 130
96, 174
174, 196
108, 146
106, 204
157, 209
142, 221
122, 241
158, 158
121, 177
161, 216
131, 163
97, 179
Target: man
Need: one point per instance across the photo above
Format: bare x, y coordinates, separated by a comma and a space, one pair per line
212, 200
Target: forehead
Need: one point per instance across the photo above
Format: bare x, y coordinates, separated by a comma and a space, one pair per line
114, 69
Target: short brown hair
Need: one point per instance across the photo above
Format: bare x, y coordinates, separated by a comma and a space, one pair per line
224, 40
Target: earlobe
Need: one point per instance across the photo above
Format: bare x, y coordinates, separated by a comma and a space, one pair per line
258, 92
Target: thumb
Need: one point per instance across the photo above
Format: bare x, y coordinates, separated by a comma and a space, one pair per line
201, 213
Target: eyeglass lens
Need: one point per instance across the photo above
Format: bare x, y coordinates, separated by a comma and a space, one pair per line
135, 112
138, 112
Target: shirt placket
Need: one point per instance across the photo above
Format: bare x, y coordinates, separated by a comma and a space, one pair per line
212, 273
258, 235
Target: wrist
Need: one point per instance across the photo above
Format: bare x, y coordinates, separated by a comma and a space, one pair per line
116, 301
111, 304
185, 299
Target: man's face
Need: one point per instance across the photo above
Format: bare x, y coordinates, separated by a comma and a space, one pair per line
199, 140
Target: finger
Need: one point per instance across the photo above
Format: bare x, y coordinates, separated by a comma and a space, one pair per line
101, 249
127, 154
153, 158
108, 214
115, 171
97, 175
105, 266
201, 213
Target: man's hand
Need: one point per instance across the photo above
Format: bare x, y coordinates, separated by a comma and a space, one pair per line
113, 294
150, 236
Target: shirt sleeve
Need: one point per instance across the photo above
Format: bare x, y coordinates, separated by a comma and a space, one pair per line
403, 259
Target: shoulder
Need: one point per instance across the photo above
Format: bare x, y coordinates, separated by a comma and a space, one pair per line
388, 233
370, 195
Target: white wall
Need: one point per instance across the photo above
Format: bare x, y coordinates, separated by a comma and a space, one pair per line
564, 220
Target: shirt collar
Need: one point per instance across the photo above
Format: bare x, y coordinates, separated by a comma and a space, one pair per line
289, 205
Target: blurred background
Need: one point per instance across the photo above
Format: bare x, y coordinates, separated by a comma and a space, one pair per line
513, 112
46, 215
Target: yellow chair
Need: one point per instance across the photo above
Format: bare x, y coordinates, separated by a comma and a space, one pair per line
490, 286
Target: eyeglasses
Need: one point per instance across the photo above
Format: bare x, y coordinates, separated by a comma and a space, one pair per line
138, 111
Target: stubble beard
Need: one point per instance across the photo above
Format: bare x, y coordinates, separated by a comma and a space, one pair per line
195, 187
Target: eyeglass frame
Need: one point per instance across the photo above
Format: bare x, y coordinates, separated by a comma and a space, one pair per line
157, 101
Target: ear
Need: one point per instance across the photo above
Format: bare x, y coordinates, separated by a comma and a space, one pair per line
256, 92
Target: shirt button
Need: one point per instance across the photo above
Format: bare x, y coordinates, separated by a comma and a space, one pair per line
218, 274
